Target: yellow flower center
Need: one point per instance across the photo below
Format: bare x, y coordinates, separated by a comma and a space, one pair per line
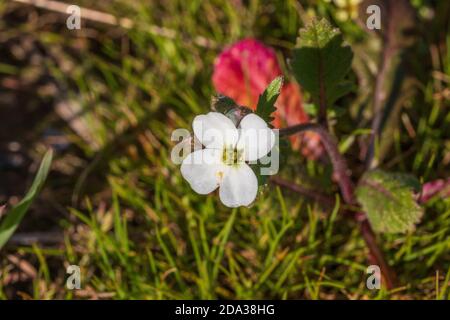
232, 156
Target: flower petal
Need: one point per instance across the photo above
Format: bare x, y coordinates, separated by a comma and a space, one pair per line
215, 131
239, 186
255, 137
204, 170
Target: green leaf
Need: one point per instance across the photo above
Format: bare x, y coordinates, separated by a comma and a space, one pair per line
321, 62
388, 200
266, 101
12, 219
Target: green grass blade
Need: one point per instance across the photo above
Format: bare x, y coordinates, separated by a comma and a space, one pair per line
221, 247
13, 218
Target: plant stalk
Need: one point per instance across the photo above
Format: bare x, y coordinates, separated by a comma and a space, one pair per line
339, 164
342, 175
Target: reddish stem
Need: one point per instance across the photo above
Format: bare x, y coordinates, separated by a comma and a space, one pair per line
342, 175
313, 194
339, 165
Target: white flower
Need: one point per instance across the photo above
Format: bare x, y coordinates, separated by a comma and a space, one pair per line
223, 161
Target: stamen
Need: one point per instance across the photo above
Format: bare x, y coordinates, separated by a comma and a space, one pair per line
232, 156
219, 175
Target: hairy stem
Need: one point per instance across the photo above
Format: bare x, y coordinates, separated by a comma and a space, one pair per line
313, 194
375, 251
339, 165
342, 175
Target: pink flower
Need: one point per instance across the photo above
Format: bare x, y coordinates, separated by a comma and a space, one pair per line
242, 72
437, 187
